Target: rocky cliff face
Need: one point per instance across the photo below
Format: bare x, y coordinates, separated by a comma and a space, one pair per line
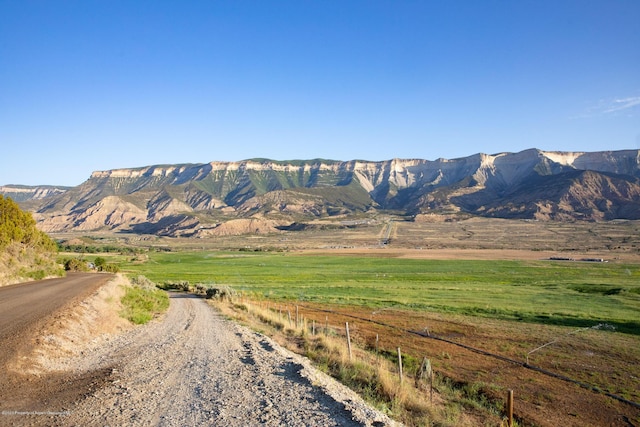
22, 193
196, 199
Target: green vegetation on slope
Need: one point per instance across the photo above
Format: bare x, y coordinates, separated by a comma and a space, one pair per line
143, 301
572, 294
25, 251
17, 226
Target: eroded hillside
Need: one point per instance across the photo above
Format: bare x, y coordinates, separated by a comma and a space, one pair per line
196, 199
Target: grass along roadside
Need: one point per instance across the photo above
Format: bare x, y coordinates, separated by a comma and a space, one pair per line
143, 301
371, 373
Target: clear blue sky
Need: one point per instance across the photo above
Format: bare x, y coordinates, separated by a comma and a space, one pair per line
93, 85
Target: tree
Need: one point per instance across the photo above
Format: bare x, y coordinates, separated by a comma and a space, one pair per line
100, 263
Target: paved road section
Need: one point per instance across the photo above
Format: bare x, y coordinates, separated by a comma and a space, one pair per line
24, 305
24, 309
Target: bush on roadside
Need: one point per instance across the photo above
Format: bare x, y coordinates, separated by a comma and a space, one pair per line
141, 281
111, 268
222, 292
75, 264
182, 285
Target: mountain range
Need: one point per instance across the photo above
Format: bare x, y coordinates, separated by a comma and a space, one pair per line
261, 195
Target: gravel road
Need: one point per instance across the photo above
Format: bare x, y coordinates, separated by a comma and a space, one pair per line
192, 367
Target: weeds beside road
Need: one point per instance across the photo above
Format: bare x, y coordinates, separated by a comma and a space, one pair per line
143, 301
470, 388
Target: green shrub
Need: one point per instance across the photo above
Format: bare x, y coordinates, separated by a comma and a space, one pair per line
143, 301
141, 281
75, 264
181, 285
111, 268
221, 292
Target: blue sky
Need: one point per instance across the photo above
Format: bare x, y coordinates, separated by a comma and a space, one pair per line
93, 85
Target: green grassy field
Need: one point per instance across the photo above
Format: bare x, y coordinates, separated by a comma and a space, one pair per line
562, 293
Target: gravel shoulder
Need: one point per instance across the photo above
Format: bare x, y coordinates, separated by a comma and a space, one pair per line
192, 367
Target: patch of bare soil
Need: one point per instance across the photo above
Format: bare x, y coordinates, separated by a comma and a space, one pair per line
72, 332
190, 367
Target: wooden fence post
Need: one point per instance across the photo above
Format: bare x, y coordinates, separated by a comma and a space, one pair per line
510, 408
326, 326
313, 327
289, 315
400, 365
348, 339
297, 318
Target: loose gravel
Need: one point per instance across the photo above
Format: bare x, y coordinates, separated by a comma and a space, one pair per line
193, 367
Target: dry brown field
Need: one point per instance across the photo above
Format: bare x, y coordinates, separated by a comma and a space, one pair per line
589, 356
473, 238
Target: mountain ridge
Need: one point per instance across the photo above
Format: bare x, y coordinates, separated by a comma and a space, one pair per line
194, 199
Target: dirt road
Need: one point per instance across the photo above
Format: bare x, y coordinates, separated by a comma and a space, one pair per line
194, 368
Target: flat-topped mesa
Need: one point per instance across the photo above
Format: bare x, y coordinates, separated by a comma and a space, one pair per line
156, 171
532, 184
275, 165
408, 171
492, 171
626, 162
21, 193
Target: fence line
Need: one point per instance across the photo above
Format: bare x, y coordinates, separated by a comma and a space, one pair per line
486, 353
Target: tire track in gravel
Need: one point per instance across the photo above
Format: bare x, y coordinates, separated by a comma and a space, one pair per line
194, 368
